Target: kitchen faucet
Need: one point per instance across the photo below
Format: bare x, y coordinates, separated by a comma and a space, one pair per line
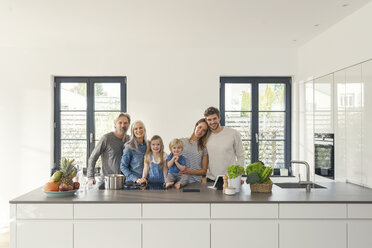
307, 182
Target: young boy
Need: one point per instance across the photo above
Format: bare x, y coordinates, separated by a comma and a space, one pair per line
176, 163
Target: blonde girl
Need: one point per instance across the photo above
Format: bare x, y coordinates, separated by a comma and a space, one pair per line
155, 169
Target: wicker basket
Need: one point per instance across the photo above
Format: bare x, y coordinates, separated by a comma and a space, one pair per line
261, 188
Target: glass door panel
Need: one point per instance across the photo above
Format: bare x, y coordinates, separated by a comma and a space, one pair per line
75, 149
73, 121
271, 125
259, 108
271, 97
104, 123
240, 121
73, 125
107, 96
238, 97
238, 114
272, 153
73, 96
247, 149
106, 107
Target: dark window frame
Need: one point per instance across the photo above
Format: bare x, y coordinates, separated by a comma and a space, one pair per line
255, 81
90, 109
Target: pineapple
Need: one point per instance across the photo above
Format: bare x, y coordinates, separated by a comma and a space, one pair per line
68, 171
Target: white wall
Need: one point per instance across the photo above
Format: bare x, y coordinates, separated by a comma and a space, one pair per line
172, 72
343, 45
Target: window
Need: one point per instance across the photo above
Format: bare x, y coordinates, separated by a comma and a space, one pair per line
84, 110
260, 109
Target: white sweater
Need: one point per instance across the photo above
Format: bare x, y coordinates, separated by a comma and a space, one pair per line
224, 148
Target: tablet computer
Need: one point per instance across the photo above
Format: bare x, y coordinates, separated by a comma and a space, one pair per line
218, 183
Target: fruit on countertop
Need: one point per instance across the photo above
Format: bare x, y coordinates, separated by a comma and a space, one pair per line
61, 180
68, 171
76, 185
56, 177
51, 186
63, 187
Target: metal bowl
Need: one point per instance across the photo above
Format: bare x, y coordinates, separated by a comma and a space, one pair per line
114, 181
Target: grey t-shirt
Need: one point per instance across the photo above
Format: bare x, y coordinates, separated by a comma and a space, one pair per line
193, 157
110, 148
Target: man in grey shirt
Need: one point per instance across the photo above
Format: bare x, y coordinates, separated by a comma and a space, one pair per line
110, 148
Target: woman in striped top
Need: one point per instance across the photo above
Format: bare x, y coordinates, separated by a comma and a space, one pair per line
195, 152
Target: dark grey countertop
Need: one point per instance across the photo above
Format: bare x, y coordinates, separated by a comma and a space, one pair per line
335, 193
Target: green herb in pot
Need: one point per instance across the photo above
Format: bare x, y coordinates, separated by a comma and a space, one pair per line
233, 171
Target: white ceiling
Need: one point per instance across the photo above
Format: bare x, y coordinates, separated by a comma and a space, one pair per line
287, 22
284, 23
175, 23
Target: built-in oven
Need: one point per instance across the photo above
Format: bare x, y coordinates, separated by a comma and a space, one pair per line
324, 154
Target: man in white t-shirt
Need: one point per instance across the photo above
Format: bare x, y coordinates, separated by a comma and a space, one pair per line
224, 145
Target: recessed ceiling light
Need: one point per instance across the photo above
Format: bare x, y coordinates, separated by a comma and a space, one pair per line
316, 25
345, 5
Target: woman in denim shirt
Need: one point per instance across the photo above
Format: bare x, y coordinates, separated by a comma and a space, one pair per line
133, 155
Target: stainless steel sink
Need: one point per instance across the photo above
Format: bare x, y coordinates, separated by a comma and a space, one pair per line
298, 186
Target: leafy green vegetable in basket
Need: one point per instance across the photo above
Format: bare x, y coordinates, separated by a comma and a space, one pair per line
233, 171
258, 170
253, 178
256, 167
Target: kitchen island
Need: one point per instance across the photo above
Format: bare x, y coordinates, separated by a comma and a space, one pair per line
338, 216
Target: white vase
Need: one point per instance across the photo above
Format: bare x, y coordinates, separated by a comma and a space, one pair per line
236, 183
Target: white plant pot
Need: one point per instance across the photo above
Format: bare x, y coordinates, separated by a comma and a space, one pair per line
236, 183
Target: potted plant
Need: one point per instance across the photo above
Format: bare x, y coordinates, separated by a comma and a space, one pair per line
235, 172
258, 176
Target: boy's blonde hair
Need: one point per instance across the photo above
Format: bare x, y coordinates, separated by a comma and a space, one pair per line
175, 142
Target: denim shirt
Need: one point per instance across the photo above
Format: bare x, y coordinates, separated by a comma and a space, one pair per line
132, 162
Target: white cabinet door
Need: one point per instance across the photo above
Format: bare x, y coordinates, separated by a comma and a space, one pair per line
44, 234
359, 234
263, 234
306, 126
323, 104
319, 234
100, 234
340, 123
353, 107
179, 234
366, 125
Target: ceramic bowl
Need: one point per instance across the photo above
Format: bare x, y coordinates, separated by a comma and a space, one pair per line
230, 191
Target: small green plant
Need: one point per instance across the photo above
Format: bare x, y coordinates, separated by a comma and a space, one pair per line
233, 171
258, 173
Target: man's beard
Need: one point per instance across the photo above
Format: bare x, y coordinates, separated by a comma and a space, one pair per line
217, 126
121, 131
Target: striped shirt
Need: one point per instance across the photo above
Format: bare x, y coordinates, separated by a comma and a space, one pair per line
193, 157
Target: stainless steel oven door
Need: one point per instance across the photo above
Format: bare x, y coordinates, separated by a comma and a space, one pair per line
324, 160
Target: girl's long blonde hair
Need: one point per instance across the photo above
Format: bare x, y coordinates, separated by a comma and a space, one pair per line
149, 152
